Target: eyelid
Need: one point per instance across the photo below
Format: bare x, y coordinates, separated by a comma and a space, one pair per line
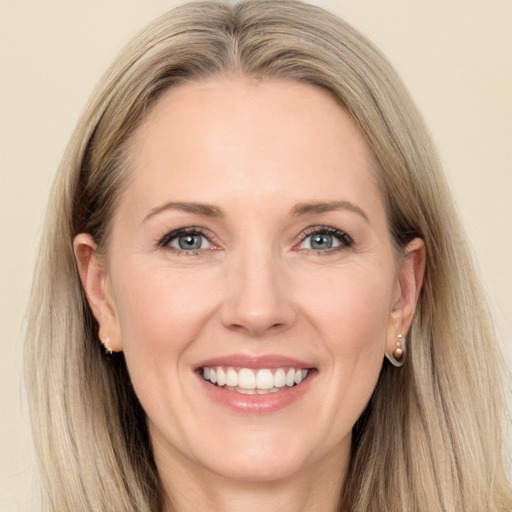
343, 237
189, 230
345, 240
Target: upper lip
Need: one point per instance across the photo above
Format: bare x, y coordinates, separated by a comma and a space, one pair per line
252, 361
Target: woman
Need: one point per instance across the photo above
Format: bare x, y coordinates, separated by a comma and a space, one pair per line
251, 219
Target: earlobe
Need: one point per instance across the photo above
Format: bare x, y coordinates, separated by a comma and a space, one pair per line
398, 355
96, 284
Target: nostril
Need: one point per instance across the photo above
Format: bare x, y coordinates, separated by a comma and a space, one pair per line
257, 303
254, 328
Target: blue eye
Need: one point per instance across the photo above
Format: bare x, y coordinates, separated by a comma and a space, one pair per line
320, 241
186, 240
323, 239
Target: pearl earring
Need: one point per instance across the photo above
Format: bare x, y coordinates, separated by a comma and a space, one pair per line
397, 358
108, 349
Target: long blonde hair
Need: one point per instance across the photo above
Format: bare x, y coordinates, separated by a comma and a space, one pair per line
431, 438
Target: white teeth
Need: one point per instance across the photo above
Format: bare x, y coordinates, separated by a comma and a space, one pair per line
279, 378
231, 378
221, 377
246, 379
264, 379
247, 391
251, 381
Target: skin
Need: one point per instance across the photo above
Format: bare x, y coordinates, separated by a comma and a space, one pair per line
254, 150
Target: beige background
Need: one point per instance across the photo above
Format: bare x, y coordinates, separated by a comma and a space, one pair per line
453, 54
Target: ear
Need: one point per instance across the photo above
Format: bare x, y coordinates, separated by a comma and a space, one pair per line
98, 289
408, 287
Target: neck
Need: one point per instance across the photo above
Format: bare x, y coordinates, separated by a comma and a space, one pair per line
316, 488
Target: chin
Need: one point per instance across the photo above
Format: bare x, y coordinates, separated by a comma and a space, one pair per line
252, 456
271, 468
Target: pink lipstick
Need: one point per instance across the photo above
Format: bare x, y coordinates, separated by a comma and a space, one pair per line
255, 384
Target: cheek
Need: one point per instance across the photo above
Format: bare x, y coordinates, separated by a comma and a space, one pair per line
354, 324
160, 315
159, 310
352, 311
352, 319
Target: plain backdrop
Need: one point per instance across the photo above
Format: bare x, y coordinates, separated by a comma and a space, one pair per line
454, 55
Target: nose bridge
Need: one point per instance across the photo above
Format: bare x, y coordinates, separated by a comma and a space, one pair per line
257, 298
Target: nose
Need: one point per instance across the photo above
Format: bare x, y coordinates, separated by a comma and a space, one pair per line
258, 296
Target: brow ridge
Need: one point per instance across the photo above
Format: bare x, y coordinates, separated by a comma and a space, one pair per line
322, 207
205, 210
301, 209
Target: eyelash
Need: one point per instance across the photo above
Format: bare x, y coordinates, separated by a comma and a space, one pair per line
345, 241
166, 240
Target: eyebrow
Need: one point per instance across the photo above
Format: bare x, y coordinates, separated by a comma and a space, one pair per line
205, 210
322, 207
300, 209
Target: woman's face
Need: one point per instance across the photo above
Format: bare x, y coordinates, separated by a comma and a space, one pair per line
250, 249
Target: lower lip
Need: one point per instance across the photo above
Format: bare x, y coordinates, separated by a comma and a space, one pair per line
257, 404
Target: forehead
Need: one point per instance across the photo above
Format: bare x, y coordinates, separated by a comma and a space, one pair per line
229, 137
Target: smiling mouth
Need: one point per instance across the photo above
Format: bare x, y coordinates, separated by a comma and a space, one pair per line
251, 381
